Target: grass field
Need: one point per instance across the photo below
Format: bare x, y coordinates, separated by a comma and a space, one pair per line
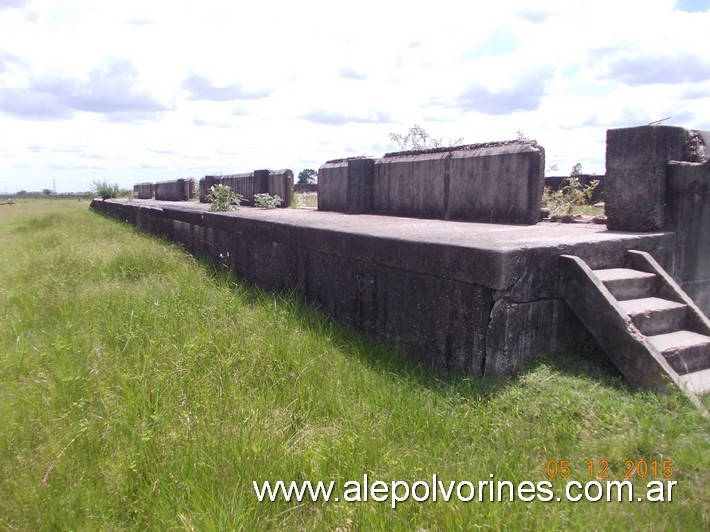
141, 389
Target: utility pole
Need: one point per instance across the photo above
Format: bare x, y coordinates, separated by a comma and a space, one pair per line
54, 187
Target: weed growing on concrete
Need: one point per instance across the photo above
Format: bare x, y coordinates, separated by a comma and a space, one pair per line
223, 198
572, 195
267, 201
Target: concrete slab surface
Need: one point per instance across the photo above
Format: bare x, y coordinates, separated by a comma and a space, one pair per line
496, 237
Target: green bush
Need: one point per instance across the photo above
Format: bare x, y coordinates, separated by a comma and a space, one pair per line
105, 190
267, 201
223, 198
569, 196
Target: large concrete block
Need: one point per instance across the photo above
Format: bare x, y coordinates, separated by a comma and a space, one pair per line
280, 183
500, 184
248, 184
143, 190
495, 183
688, 213
206, 183
636, 160
411, 185
178, 190
346, 185
245, 184
333, 186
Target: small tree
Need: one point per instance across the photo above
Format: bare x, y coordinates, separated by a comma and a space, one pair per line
521, 136
47, 191
576, 170
307, 176
105, 190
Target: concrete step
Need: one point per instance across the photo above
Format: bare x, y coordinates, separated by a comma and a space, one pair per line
698, 381
686, 351
653, 315
624, 283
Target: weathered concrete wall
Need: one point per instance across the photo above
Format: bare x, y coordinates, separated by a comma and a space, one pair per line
688, 214
498, 182
657, 177
178, 190
333, 186
345, 185
412, 185
143, 190
274, 182
280, 183
455, 296
636, 160
501, 184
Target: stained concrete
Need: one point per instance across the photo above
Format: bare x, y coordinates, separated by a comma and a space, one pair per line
475, 297
178, 190
346, 185
143, 190
495, 182
688, 213
274, 182
636, 160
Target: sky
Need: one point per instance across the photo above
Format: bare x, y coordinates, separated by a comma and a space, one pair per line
151, 90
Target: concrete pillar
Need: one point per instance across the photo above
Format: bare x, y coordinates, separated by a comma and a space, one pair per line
206, 183
636, 160
346, 185
359, 186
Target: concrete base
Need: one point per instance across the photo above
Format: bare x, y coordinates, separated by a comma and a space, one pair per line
480, 298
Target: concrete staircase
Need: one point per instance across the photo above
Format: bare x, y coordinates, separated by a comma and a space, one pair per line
648, 326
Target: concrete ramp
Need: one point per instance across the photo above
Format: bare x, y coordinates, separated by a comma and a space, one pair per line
654, 333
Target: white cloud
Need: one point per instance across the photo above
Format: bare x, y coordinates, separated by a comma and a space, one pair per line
155, 90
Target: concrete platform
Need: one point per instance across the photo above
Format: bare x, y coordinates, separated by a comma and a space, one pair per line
482, 298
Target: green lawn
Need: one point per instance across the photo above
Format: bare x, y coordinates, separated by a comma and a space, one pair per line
140, 389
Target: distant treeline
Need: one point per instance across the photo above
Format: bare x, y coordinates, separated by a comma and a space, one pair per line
22, 194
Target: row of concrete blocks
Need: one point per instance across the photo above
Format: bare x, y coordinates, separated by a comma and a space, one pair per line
178, 190
273, 182
495, 182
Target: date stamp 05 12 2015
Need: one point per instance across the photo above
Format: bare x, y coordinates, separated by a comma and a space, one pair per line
600, 469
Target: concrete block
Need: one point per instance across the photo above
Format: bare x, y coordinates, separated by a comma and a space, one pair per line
688, 213
244, 184
346, 185
332, 186
280, 183
411, 185
178, 190
636, 160
206, 183
143, 190
499, 184
496, 182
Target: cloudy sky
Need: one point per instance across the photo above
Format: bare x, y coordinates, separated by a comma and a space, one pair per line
148, 90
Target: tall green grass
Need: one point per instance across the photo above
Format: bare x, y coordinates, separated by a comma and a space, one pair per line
140, 388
